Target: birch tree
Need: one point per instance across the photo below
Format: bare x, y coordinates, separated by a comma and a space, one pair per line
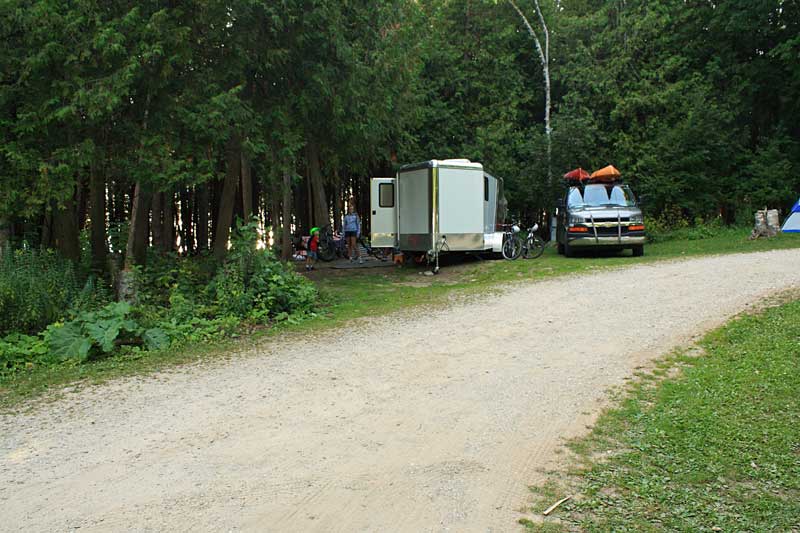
544, 58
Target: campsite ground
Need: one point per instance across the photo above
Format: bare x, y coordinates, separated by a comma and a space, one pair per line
433, 417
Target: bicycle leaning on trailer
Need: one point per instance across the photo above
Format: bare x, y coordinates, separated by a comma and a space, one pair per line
514, 246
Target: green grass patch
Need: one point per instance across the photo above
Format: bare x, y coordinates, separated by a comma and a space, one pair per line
717, 446
348, 295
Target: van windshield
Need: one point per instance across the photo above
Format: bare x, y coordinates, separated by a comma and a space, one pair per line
600, 195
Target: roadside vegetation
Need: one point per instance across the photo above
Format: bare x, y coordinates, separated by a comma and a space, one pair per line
709, 441
188, 311
59, 320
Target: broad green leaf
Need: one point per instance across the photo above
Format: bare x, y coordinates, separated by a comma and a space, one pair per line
155, 339
69, 342
104, 333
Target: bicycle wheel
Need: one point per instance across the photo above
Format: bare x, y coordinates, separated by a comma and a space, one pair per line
512, 248
534, 248
326, 251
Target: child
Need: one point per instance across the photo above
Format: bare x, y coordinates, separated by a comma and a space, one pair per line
311, 249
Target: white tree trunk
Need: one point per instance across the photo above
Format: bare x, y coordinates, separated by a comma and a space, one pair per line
544, 58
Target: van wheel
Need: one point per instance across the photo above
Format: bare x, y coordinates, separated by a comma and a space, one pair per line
560, 249
568, 251
638, 251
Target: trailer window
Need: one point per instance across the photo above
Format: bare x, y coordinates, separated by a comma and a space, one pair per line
386, 195
485, 189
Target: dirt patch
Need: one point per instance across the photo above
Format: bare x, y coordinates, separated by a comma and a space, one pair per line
430, 420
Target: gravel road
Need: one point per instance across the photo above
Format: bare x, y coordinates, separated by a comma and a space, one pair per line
420, 421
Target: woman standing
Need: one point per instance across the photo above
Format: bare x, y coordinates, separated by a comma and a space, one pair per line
352, 231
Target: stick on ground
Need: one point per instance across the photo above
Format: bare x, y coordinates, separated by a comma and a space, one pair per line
555, 505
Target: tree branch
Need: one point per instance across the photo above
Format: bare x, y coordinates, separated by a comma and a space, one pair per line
530, 29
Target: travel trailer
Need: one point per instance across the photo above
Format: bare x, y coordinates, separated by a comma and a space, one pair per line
438, 206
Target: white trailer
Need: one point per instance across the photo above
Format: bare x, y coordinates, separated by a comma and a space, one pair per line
438, 206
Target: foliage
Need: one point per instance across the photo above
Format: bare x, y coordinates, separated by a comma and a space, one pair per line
253, 284
671, 224
715, 448
39, 288
22, 352
94, 332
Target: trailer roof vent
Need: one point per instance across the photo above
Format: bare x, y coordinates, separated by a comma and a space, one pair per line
457, 161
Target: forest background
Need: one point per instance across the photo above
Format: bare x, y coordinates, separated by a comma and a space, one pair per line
138, 133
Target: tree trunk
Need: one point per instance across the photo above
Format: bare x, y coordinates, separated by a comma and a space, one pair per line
5, 240
202, 217
286, 227
274, 213
320, 208
337, 205
81, 204
65, 230
157, 224
167, 243
187, 240
247, 189
544, 58
227, 199
47, 229
136, 250
97, 212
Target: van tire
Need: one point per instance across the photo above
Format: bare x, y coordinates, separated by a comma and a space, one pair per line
560, 249
638, 251
568, 251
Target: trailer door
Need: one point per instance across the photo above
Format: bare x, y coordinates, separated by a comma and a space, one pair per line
383, 218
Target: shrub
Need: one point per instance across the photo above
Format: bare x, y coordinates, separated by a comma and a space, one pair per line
671, 224
38, 288
253, 284
22, 352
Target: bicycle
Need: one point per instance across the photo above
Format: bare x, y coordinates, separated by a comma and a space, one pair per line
512, 243
327, 247
533, 245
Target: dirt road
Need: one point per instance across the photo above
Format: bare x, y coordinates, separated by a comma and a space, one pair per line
422, 421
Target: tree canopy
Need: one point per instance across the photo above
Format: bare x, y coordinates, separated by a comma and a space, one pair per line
154, 125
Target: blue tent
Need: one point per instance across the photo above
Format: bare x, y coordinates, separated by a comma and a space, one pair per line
792, 222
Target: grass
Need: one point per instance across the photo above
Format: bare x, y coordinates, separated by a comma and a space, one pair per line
716, 448
350, 295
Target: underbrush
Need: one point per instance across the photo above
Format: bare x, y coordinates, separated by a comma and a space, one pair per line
671, 225
178, 301
38, 288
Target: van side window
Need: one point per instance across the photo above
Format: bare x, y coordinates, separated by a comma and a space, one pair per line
485, 189
386, 194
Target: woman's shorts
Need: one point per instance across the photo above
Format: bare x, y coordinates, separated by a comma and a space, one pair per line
348, 234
